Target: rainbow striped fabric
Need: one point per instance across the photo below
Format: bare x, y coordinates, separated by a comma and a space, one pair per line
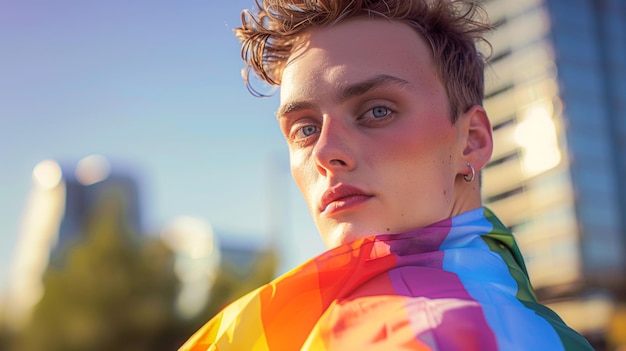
459, 284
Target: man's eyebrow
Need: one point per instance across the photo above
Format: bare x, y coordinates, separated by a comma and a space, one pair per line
363, 87
294, 107
346, 93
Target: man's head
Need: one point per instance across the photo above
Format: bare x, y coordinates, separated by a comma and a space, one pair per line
451, 28
366, 112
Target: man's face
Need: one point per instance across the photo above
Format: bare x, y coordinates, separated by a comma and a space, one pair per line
367, 120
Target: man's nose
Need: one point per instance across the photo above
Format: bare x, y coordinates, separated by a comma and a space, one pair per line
333, 151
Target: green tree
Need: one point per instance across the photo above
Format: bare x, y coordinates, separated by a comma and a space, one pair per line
114, 290
5, 337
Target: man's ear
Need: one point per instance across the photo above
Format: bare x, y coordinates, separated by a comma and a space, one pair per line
477, 137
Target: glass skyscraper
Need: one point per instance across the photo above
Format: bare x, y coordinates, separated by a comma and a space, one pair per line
556, 96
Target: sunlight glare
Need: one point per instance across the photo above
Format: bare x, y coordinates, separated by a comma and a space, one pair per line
47, 174
536, 134
92, 169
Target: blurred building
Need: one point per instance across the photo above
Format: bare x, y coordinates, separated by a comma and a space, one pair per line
241, 257
85, 188
556, 96
216, 265
197, 259
60, 201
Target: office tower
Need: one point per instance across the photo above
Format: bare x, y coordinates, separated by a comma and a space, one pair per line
197, 258
85, 189
556, 95
38, 233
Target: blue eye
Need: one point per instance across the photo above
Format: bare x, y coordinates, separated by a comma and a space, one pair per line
380, 112
308, 130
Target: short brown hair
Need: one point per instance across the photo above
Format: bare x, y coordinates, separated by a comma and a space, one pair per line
451, 27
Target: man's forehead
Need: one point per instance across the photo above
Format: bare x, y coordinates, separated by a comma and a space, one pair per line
345, 92
355, 56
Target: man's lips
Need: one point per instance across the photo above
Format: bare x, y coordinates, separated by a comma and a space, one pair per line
342, 196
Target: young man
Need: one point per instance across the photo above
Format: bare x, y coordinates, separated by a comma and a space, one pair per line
381, 109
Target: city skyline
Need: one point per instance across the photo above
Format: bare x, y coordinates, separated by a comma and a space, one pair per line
156, 88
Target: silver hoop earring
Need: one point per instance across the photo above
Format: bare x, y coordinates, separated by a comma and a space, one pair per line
470, 177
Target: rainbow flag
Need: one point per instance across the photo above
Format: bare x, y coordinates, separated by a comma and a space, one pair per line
459, 284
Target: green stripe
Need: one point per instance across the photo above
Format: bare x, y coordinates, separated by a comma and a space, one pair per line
570, 339
501, 241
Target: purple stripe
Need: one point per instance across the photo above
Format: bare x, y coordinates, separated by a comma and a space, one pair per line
423, 240
442, 313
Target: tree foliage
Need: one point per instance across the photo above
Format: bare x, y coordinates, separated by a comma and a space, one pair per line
113, 290
116, 290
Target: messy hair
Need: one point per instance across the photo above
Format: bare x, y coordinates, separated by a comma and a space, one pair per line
451, 27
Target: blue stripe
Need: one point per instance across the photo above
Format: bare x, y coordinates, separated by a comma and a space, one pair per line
486, 278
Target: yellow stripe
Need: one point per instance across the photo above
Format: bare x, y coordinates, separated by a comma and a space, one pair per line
241, 327
203, 335
314, 341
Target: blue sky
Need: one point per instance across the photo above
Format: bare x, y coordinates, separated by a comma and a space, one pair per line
156, 87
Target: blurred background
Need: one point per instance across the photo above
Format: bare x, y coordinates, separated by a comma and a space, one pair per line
130, 120
142, 187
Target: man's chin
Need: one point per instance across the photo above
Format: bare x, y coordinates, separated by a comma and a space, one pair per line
344, 233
